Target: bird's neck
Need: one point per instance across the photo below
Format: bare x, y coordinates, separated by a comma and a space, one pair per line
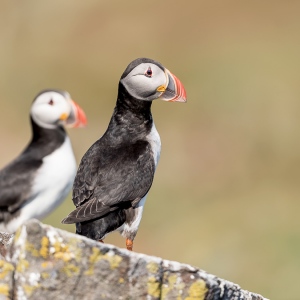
45, 136
134, 116
127, 104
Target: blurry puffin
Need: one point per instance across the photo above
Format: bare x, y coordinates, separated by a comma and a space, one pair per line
117, 171
39, 179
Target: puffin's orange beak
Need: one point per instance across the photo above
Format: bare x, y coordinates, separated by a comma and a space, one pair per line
77, 116
174, 91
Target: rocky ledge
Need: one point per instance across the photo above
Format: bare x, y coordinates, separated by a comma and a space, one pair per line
42, 262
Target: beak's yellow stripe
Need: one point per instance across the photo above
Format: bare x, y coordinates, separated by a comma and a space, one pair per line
161, 88
63, 116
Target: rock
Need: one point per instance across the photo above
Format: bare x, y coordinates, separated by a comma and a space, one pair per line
47, 263
5, 241
6, 268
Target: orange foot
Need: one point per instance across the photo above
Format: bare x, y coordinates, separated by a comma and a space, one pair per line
101, 241
129, 244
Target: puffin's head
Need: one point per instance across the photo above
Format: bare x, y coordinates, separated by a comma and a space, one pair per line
146, 79
52, 108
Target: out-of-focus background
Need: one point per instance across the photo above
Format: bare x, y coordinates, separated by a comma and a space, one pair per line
226, 196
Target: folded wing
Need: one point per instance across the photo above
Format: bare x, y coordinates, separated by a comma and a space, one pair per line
119, 177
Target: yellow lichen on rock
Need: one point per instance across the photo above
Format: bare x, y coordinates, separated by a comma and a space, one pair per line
31, 249
152, 267
71, 270
29, 289
65, 256
62, 251
197, 291
56, 246
89, 271
153, 287
45, 275
23, 264
77, 253
114, 260
173, 283
5, 267
4, 289
169, 286
47, 264
44, 251
94, 257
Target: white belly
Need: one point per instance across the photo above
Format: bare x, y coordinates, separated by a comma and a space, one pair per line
128, 230
131, 229
52, 184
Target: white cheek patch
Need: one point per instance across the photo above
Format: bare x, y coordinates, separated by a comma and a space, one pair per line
141, 86
46, 115
43, 114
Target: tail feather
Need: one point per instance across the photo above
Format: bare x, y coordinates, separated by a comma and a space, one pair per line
97, 229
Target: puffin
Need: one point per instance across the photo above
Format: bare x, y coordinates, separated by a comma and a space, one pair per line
39, 179
117, 171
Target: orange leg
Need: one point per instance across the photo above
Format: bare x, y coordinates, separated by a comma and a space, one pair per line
129, 244
101, 241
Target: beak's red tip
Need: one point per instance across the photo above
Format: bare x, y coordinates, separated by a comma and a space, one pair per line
180, 91
81, 119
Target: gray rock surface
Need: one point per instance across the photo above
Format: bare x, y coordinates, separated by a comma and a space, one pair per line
47, 263
5, 241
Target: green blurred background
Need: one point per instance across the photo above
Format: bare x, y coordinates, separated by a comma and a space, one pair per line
226, 193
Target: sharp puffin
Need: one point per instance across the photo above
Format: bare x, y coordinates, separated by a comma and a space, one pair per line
39, 179
116, 173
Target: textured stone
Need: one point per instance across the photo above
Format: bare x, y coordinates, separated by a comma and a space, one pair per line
5, 241
6, 279
48, 263
6, 268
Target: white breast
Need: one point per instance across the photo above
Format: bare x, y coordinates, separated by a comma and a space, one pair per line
52, 183
154, 140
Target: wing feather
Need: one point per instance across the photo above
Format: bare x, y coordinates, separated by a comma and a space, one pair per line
107, 181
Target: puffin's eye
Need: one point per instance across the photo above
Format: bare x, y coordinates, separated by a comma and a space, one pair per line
149, 72
51, 102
